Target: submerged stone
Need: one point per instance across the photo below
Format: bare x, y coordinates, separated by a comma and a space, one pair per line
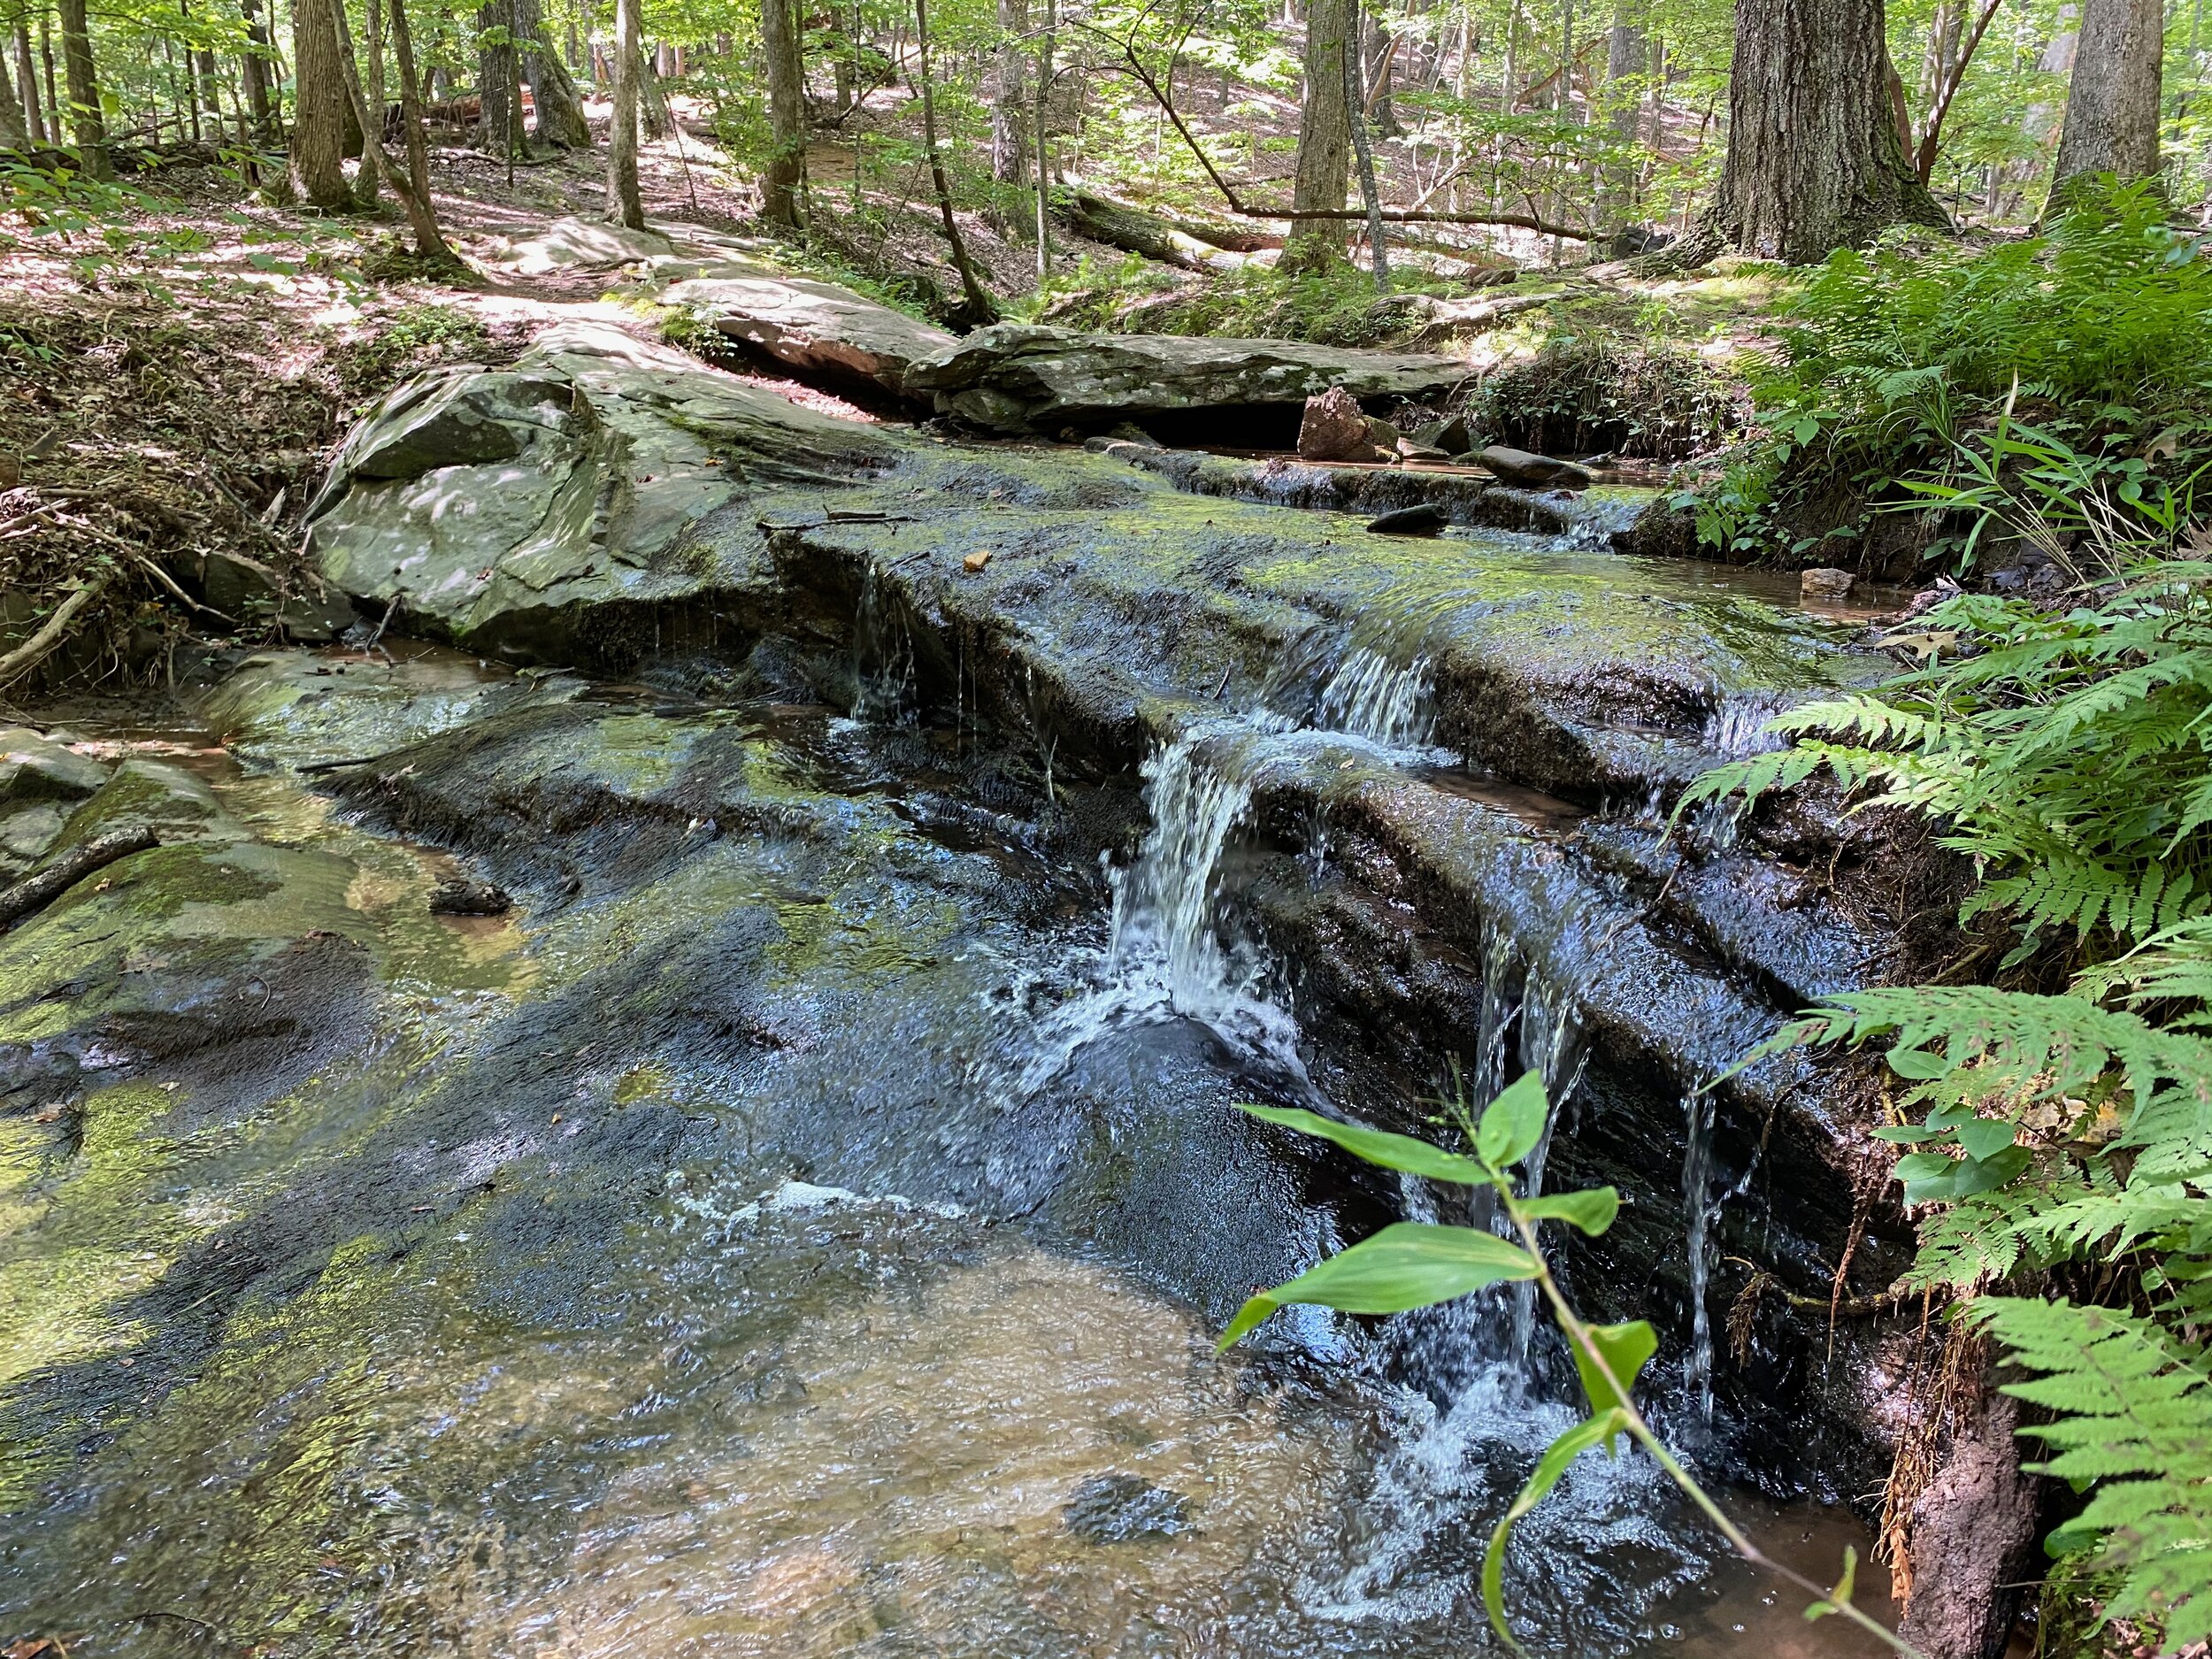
1115, 1508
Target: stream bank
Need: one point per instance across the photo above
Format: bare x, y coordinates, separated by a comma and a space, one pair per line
896, 929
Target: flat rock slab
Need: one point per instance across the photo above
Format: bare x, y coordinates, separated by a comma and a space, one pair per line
1016, 377
494, 499
579, 244
811, 324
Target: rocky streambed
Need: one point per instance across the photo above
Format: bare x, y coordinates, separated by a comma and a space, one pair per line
797, 1222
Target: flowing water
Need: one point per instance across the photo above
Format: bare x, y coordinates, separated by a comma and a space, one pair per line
725, 1345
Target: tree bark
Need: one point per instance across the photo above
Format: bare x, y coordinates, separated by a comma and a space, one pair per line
1815, 161
654, 112
2112, 100
623, 205
494, 79
34, 115
373, 89
13, 131
1627, 60
977, 310
53, 93
1009, 118
1325, 136
254, 65
783, 180
318, 125
1954, 75
85, 123
417, 145
1370, 198
560, 112
421, 219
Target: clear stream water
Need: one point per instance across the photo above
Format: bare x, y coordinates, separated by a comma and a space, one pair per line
835, 1404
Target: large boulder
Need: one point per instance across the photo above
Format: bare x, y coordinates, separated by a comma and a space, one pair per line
1013, 377
812, 326
578, 244
491, 499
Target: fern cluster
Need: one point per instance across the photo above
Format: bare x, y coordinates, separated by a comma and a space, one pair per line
2064, 1142
1892, 362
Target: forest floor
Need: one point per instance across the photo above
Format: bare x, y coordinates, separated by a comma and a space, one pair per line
178, 357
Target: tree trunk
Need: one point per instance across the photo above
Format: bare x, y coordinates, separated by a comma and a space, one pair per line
1379, 55
783, 180
560, 117
654, 112
1009, 119
34, 115
417, 143
1626, 63
1815, 162
977, 308
623, 205
13, 129
53, 92
319, 124
2112, 100
210, 89
1377, 243
1325, 136
254, 67
494, 79
372, 90
85, 123
420, 216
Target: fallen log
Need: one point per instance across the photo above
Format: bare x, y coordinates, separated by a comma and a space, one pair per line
36, 892
33, 650
1136, 230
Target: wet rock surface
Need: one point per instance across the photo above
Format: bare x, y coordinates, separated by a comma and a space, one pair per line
892, 935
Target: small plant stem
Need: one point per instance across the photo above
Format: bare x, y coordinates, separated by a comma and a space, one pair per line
1579, 1333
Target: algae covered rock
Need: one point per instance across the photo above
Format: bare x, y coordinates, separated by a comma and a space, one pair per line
492, 499
1015, 376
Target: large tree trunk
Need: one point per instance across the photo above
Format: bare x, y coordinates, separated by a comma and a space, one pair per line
2112, 101
254, 67
1009, 107
372, 101
1325, 136
421, 216
318, 122
1627, 60
85, 123
1815, 162
783, 180
623, 205
560, 116
495, 77
34, 115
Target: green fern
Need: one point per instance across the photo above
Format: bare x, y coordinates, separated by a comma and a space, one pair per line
2131, 1411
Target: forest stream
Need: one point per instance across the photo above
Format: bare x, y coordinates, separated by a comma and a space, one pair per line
797, 1216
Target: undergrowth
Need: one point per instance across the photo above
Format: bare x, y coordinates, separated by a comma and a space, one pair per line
1605, 390
2060, 1132
1898, 364
1334, 306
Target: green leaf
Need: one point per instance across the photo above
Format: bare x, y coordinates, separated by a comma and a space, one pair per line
1554, 1463
1408, 1264
1592, 1209
1626, 1349
1514, 1123
1917, 1064
1378, 1145
1839, 1597
1909, 1134
1930, 1177
1984, 1138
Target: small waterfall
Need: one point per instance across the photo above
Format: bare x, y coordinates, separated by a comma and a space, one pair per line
1386, 702
883, 660
1167, 955
1699, 1209
1552, 1046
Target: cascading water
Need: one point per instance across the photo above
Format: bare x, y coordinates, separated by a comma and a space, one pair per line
1698, 1208
1385, 701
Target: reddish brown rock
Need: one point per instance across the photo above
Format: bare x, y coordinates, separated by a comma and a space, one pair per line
1334, 428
